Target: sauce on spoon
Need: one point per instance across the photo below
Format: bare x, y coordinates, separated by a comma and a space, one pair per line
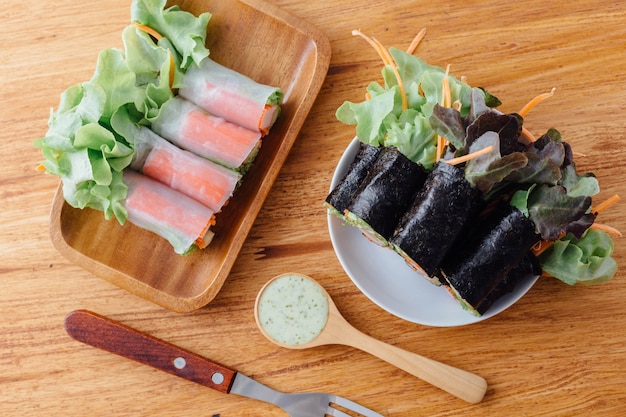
292, 309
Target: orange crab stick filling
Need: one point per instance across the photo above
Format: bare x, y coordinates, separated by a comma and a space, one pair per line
217, 139
168, 213
228, 94
205, 181
190, 127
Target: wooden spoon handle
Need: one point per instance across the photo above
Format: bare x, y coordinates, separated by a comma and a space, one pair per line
462, 384
104, 333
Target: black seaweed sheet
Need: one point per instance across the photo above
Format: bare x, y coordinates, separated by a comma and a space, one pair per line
341, 195
437, 215
527, 268
387, 191
480, 261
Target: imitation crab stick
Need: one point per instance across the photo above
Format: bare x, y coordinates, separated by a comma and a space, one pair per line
231, 95
209, 183
153, 206
192, 128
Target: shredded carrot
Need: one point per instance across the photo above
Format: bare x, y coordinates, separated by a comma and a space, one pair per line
156, 35
606, 228
416, 41
532, 103
465, 158
540, 247
446, 101
387, 60
374, 45
528, 135
172, 69
40, 168
606, 203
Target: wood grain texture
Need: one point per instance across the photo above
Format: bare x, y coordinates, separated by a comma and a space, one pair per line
560, 351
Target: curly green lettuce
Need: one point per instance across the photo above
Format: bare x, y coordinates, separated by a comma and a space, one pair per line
85, 144
587, 260
383, 121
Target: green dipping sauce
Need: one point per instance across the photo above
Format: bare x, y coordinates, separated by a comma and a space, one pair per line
293, 310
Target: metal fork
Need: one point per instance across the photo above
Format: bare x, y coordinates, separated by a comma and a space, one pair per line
112, 336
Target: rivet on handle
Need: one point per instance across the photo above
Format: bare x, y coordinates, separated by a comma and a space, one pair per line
180, 363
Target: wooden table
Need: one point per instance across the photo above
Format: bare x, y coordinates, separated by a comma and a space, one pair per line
559, 351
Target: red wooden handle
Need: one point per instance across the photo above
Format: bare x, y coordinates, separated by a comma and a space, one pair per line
107, 334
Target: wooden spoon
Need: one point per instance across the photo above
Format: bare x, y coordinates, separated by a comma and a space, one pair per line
337, 330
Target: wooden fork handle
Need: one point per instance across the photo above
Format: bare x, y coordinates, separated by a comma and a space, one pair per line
112, 336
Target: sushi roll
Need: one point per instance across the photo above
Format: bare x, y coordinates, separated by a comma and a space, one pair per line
191, 128
341, 195
385, 194
527, 268
182, 221
479, 262
209, 183
435, 218
231, 95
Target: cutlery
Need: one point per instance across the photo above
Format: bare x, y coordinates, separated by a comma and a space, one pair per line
337, 330
104, 333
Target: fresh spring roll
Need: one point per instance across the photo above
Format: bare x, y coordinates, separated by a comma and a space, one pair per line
479, 262
231, 95
341, 195
190, 127
385, 194
182, 221
207, 182
435, 218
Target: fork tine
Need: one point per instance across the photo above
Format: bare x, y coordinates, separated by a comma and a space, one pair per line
336, 413
350, 405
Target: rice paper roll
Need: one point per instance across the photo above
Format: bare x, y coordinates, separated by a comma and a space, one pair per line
207, 182
190, 127
231, 95
436, 217
182, 221
385, 194
341, 195
479, 263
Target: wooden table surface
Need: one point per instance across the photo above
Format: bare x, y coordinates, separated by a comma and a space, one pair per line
559, 351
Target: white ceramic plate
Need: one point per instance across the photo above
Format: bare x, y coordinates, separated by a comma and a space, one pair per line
385, 278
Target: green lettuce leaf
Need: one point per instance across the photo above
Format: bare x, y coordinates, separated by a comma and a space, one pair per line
90, 140
382, 121
368, 116
587, 260
186, 32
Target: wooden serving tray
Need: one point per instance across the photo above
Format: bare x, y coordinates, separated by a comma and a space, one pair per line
268, 45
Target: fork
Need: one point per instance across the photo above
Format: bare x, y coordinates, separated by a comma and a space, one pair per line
107, 334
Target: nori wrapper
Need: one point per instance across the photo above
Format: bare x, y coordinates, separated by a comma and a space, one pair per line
475, 266
341, 195
436, 217
386, 192
527, 268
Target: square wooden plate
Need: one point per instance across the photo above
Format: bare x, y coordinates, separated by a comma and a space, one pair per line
271, 47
